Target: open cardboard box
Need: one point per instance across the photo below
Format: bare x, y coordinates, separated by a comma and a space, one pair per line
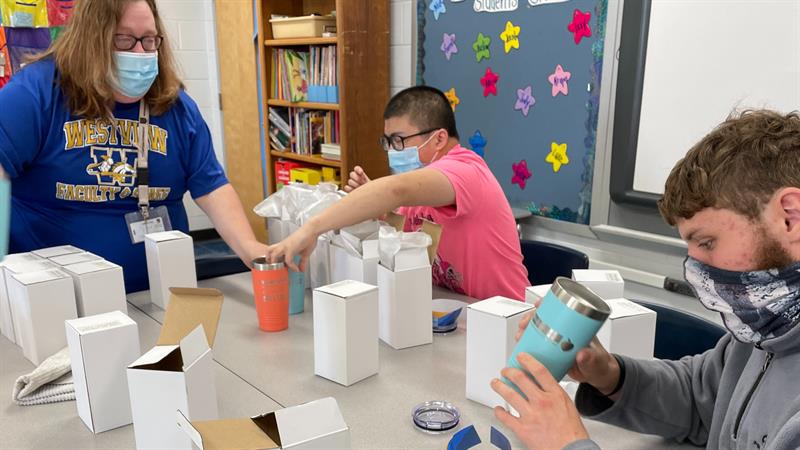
313, 425
405, 299
354, 253
178, 373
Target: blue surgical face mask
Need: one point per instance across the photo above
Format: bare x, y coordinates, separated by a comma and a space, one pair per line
407, 159
136, 72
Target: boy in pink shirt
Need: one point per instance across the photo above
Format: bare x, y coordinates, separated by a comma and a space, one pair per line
433, 178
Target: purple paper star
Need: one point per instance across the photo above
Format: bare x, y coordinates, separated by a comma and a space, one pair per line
449, 45
521, 173
525, 100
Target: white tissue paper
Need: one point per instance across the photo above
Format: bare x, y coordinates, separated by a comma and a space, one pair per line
391, 241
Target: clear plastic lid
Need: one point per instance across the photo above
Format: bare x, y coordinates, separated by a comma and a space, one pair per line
435, 416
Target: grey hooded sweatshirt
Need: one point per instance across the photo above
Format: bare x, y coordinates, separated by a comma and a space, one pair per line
734, 396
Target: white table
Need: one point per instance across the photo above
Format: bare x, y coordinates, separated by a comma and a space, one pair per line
260, 372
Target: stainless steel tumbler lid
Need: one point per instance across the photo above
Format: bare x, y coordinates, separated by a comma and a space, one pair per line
261, 263
580, 299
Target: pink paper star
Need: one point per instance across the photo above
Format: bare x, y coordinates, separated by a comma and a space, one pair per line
580, 25
521, 173
489, 82
559, 80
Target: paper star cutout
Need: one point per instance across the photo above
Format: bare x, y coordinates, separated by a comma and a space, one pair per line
580, 25
437, 6
489, 82
557, 156
525, 100
449, 45
559, 80
481, 47
521, 173
453, 98
477, 142
510, 36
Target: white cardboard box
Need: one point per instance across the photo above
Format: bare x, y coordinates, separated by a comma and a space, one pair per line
405, 300
99, 287
493, 323
346, 331
75, 258
41, 302
170, 263
605, 283
534, 294
178, 373
60, 250
314, 425
6, 320
22, 266
100, 348
630, 329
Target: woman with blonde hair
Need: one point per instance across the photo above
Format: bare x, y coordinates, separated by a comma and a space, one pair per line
98, 119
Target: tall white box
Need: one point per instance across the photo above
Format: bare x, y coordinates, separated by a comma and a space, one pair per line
99, 287
605, 283
178, 373
346, 331
535, 294
22, 266
170, 263
405, 299
630, 329
316, 425
51, 252
6, 320
354, 253
493, 323
41, 302
100, 348
75, 258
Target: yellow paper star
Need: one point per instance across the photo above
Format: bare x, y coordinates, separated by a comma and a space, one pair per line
510, 36
453, 98
557, 156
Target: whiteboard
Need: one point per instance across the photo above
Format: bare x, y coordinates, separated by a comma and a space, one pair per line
704, 59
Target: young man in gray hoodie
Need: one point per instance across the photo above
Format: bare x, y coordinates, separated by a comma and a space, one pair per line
735, 199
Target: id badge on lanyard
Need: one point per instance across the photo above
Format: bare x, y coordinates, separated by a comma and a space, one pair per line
146, 219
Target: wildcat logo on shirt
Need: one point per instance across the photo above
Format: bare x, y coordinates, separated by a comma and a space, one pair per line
112, 159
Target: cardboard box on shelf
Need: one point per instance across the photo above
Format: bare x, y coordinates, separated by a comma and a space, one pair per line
100, 348
170, 264
178, 373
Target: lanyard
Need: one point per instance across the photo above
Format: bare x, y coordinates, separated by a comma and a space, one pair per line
143, 144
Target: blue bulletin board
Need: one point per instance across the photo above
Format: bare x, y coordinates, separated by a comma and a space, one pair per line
524, 79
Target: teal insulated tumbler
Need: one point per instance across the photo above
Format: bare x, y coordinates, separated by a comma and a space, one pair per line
566, 320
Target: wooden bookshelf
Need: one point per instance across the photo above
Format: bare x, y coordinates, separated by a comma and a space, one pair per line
307, 105
363, 75
313, 159
301, 41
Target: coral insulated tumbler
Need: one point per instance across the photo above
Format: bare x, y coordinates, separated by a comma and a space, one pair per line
271, 292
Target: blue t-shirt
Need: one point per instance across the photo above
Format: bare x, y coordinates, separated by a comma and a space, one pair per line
74, 179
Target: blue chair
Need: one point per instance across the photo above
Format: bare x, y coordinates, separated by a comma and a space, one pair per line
546, 262
680, 334
213, 258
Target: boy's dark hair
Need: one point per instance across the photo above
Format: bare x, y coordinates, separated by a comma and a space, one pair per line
426, 108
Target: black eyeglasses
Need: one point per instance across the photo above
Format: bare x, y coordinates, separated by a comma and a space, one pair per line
397, 142
125, 42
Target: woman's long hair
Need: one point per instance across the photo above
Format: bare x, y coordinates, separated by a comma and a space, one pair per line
84, 57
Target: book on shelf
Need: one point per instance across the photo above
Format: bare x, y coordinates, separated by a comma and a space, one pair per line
331, 151
300, 76
302, 131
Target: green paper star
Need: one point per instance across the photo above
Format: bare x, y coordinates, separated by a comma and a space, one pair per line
481, 47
